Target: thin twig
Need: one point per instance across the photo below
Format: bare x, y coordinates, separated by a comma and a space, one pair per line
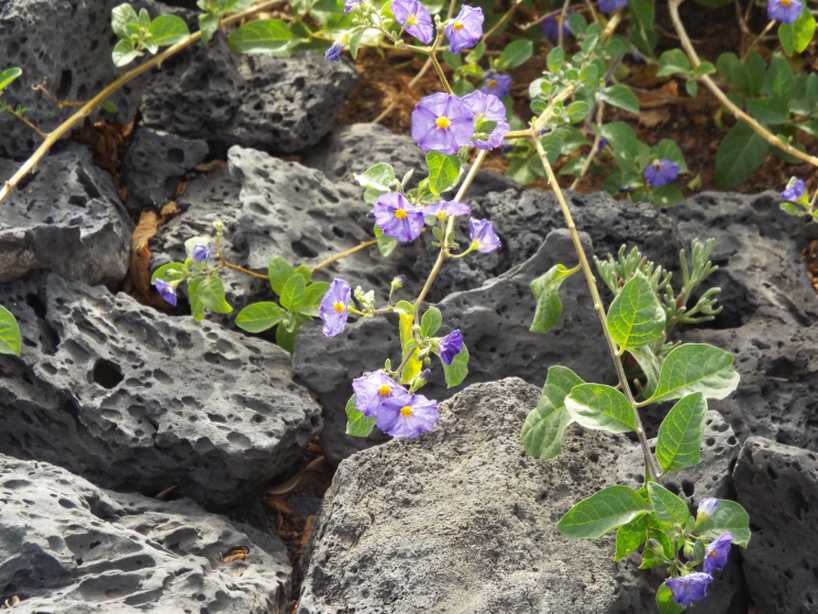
347, 252
501, 22
765, 134
388, 110
25, 121
30, 165
758, 38
241, 269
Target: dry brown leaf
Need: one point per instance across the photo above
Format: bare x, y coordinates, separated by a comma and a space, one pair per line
209, 167
140, 258
287, 486
653, 117
239, 553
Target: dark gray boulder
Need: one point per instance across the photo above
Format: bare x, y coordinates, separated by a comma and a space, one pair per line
154, 164
461, 520
778, 486
67, 219
68, 546
277, 104
133, 399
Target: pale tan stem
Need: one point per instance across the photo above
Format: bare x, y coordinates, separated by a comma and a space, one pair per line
760, 130
341, 255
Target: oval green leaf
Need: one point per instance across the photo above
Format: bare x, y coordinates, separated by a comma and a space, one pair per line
261, 316
545, 424
602, 512
10, 338
635, 318
600, 407
680, 435
696, 367
262, 36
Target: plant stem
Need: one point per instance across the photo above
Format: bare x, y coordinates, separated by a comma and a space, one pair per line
438, 68
25, 121
756, 40
388, 110
444, 246
673, 6
600, 115
500, 22
86, 109
241, 269
347, 252
651, 470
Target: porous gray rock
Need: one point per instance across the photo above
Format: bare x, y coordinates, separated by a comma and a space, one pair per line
461, 521
154, 164
277, 104
778, 486
68, 546
131, 398
67, 219
66, 45
710, 478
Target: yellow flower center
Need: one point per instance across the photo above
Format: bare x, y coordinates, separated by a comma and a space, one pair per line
492, 83
457, 25
443, 122
441, 215
786, 2
406, 411
385, 390
400, 214
412, 20
339, 307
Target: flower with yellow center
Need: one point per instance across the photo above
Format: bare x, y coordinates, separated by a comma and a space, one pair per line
406, 411
339, 307
384, 390
443, 122
400, 214
458, 25
412, 20
492, 83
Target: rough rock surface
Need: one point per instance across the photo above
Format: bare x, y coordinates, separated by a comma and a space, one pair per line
778, 486
277, 104
154, 164
710, 478
131, 398
68, 219
65, 44
461, 521
70, 547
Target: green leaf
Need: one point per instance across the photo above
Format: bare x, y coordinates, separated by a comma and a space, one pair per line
680, 435
650, 365
456, 372
602, 512
620, 96
555, 59
121, 16
209, 25
629, 537
261, 316
545, 424
262, 36
729, 516
668, 508
286, 338
636, 318
292, 295
358, 425
577, 111
667, 149
278, 272
740, 154
8, 76
600, 407
313, 294
168, 30
431, 321
170, 272
10, 339
376, 180
665, 602
515, 54
546, 290
673, 61
444, 171
696, 367
386, 245
124, 53
667, 195
796, 37
207, 295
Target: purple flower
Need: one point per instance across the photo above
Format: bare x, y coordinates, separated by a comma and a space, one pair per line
785, 11
441, 122
415, 19
609, 6
661, 173
497, 84
603, 143
397, 217
550, 27
200, 253
334, 308
717, 552
407, 415
333, 54
349, 5
483, 236
707, 507
466, 30
166, 291
450, 346
442, 209
373, 389
491, 108
689, 589
795, 189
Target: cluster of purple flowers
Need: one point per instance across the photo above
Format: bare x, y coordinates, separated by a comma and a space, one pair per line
785, 11
445, 123
463, 32
397, 411
690, 588
167, 290
661, 172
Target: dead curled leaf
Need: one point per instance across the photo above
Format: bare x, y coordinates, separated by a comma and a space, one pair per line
239, 553
140, 260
